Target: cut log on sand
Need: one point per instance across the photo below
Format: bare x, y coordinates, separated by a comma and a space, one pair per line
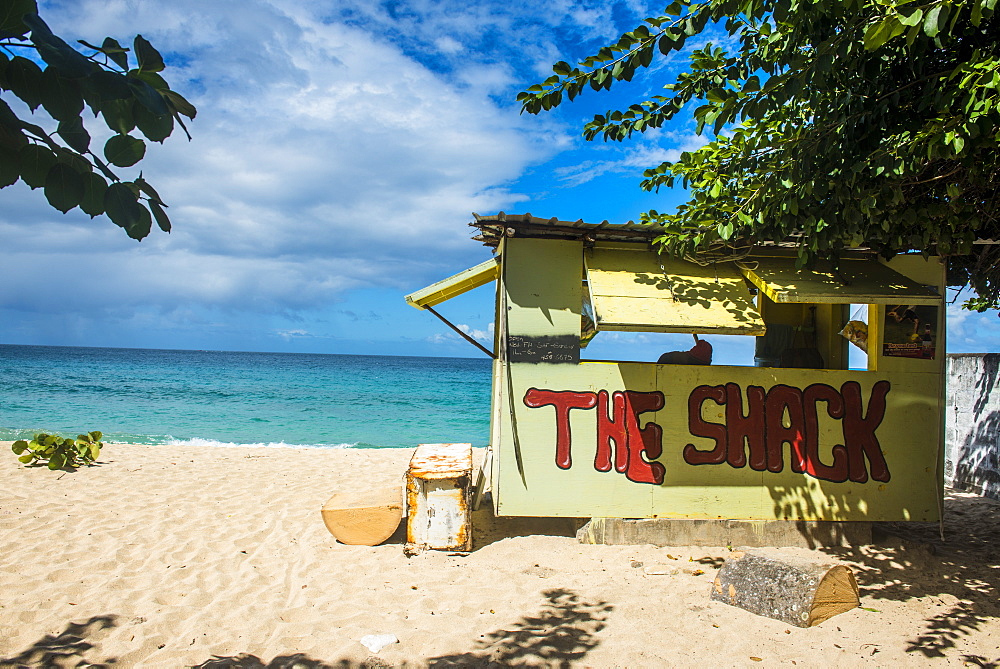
792, 586
366, 518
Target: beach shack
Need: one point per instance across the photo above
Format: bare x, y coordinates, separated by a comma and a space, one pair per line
792, 435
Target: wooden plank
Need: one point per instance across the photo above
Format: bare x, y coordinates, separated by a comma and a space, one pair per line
464, 281
543, 284
857, 282
640, 291
662, 315
903, 417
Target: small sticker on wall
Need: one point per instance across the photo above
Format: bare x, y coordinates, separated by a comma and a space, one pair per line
911, 331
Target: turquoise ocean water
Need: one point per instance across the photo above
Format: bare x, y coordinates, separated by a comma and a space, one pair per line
230, 398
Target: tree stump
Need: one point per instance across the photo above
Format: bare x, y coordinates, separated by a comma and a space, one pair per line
788, 585
364, 518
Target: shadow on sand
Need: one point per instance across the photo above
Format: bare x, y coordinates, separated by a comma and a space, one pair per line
563, 632
960, 574
65, 649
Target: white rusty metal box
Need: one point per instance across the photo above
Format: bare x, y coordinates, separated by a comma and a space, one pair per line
437, 497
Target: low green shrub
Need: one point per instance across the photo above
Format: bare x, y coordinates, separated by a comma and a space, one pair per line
58, 452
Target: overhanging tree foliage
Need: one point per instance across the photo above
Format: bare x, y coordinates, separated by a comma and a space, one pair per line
62, 162
841, 123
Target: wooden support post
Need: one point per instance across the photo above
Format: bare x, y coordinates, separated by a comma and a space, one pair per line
794, 587
365, 518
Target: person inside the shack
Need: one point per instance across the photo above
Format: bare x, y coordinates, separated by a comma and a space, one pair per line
699, 354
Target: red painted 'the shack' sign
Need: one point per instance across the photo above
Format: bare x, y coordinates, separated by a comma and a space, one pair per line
754, 437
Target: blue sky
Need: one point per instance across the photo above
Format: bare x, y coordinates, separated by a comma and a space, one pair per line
339, 150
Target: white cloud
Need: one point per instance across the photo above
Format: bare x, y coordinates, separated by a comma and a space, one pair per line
324, 158
339, 145
483, 336
641, 153
293, 334
480, 335
448, 45
970, 331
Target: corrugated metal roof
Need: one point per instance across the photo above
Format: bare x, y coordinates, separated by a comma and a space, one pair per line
492, 228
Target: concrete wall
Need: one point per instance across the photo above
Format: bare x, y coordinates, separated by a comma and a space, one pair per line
972, 424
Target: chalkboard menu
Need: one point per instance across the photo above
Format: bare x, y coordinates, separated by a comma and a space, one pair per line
563, 349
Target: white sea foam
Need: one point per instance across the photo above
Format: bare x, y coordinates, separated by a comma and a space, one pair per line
197, 441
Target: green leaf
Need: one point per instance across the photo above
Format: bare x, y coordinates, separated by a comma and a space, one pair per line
155, 128
912, 17
148, 57
10, 167
147, 188
158, 82
57, 461
147, 96
64, 187
717, 95
109, 86
162, 221
178, 104
10, 125
646, 56
145, 224
19, 446
977, 14
665, 44
12, 17
104, 169
935, 19
122, 207
96, 435
61, 97
118, 115
26, 458
36, 161
74, 134
93, 194
55, 52
879, 33
124, 150
4, 62
25, 78
116, 52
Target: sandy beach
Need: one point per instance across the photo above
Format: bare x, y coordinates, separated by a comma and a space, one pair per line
217, 557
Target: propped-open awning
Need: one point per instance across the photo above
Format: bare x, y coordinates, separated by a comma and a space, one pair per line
460, 283
631, 292
857, 282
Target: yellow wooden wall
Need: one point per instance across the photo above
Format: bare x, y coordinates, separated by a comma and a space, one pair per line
539, 296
